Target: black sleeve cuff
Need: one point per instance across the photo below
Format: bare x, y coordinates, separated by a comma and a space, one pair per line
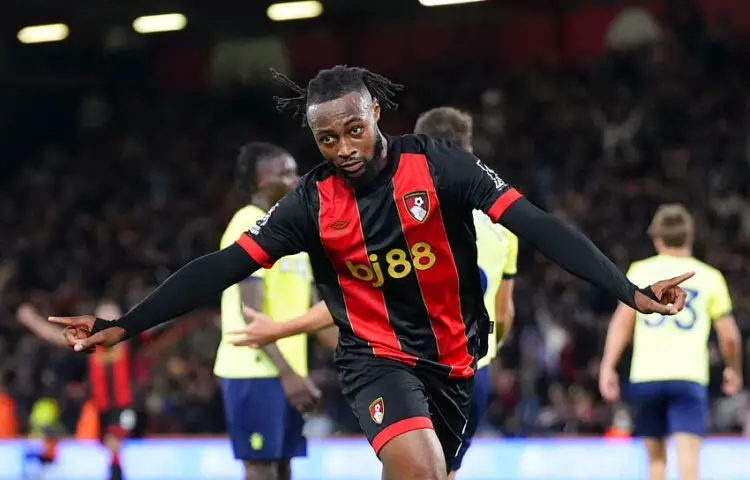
649, 293
100, 325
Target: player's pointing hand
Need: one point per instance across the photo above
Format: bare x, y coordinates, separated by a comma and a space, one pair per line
78, 333
667, 297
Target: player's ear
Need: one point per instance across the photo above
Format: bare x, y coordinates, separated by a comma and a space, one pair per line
376, 111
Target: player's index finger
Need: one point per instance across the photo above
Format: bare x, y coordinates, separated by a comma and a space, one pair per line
679, 279
62, 320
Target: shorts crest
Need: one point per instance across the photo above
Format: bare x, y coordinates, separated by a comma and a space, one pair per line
377, 410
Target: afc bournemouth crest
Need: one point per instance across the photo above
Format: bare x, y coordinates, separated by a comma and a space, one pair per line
377, 410
418, 205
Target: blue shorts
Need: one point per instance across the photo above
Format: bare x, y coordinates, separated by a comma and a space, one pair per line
666, 407
262, 424
479, 402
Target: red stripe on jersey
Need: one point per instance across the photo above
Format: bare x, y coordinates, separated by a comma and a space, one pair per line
433, 260
121, 381
502, 203
98, 378
255, 251
344, 243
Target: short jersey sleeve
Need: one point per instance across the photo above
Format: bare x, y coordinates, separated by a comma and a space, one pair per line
476, 185
511, 260
720, 302
283, 231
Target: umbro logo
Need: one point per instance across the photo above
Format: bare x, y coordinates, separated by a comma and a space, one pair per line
340, 224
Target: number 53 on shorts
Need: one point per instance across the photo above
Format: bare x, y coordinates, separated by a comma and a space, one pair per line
398, 264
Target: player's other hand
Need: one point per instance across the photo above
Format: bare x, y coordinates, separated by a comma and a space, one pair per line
259, 332
301, 392
671, 296
609, 384
732, 382
78, 333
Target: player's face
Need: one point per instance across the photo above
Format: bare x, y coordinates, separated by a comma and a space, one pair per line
277, 176
347, 134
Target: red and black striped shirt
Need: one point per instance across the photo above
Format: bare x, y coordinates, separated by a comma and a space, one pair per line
111, 377
111, 373
395, 261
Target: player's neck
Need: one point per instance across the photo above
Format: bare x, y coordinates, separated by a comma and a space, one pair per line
383, 160
262, 202
676, 252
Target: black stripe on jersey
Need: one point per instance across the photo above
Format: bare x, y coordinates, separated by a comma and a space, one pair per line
383, 233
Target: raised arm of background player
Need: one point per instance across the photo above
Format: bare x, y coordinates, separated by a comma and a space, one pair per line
289, 227
30, 317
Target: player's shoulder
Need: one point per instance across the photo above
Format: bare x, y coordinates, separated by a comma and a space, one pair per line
642, 267
308, 183
655, 265
704, 270
243, 219
435, 149
642, 263
409, 143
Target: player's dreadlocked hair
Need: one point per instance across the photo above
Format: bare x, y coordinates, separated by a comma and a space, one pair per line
246, 169
333, 83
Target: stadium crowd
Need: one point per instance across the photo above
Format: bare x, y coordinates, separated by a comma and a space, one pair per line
144, 185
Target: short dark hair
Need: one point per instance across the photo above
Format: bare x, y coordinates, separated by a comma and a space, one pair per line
448, 123
674, 225
333, 83
251, 154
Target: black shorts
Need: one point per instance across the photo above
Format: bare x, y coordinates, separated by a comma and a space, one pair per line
118, 422
390, 398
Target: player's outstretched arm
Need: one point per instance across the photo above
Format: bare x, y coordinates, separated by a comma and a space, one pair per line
477, 186
262, 330
574, 252
196, 284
